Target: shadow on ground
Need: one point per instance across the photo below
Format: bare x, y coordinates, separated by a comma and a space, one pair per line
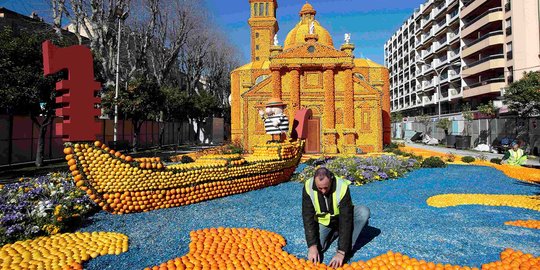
367, 235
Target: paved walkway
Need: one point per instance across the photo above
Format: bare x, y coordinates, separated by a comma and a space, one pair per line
532, 161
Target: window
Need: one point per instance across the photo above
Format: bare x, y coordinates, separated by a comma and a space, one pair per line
256, 34
260, 79
365, 120
266, 8
510, 77
255, 9
509, 54
257, 47
359, 76
507, 6
261, 9
508, 24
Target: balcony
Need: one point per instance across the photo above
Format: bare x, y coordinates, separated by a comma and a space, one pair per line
470, 6
425, 68
426, 85
427, 52
440, 44
427, 36
483, 60
436, 11
439, 27
485, 87
453, 16
426, 100
453, 36
430, 51
491, 15
452, 75
441, 62
489, 39
487, 63
417, 43
426, 21
417, 28
452, 55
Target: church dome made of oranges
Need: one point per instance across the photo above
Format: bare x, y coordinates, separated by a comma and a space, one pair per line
297, 35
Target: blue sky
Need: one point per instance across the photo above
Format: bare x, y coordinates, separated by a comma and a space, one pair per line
370, 22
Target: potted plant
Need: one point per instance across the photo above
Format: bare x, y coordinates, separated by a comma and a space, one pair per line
445, 124
464, 141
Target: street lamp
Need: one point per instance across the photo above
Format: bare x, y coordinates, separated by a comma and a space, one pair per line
438, 82
121, 15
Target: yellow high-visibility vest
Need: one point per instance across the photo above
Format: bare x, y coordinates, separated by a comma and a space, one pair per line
337, 195
515, 156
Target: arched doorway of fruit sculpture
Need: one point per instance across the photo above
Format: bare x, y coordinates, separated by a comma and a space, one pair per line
313, 140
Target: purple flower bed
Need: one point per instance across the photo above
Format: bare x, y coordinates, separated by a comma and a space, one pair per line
360, 170
41, 206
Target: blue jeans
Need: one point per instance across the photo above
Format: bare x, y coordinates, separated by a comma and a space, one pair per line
327, 235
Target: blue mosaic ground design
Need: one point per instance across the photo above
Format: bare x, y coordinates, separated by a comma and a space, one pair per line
400, 220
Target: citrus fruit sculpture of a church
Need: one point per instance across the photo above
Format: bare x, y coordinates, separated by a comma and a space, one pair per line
349, 96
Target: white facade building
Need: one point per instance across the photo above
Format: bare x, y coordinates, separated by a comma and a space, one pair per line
451, 52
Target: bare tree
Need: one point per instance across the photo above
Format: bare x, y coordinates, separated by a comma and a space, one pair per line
221, 60
162, 41
58, 9
98, 19
192, 59
175, 24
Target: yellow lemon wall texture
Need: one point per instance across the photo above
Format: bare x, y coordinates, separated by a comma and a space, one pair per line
347, 95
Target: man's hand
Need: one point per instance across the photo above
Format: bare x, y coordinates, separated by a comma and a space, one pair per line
337, 261
313, 254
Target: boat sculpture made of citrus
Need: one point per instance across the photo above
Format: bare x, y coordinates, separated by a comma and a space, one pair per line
121, 184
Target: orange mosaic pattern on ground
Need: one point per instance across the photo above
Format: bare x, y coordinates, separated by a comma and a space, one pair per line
516, 172
427, 153
520, 201
231, 248
533, 224
61, 251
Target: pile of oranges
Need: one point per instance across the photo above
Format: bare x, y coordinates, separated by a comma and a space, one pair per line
519, 201
533, 224
61, 251
121, 184
150, 163
209, 151
221, 160
274, 151
231, 248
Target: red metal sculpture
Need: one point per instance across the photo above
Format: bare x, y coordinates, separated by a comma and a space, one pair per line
78, 99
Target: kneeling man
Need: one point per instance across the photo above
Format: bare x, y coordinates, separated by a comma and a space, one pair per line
328, 213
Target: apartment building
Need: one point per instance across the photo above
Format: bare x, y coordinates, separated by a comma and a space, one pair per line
451, 52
